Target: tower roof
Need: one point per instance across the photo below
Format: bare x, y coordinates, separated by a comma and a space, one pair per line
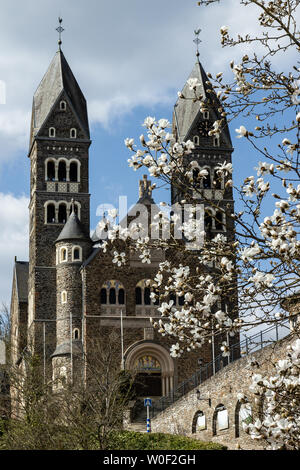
73, 230
187, 110
59, 78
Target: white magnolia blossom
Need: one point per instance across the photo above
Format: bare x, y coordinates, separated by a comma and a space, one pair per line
262, 262
281, 423
242, 131
119, 258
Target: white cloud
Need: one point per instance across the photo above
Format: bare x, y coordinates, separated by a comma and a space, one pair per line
13, 238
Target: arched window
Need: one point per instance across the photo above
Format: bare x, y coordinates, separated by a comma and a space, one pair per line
207, 220
217, 180
50, 214
62, 213
138, 296
73, 172
50, 171
143, 293
243, 415
216, 142
103, 296
220, 419
147, 298
64, 297
76, 333
121, 297
112, 293
62, 171
52, 132
196, 179
63, 255
77, 253
207, 180
112, 296
62, 105
77, 209
73, 133
199, 422
219, 220
206, 115
196, 139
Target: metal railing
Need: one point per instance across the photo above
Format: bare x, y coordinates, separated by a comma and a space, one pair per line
236, 351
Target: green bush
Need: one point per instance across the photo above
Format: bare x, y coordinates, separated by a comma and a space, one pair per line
130, 440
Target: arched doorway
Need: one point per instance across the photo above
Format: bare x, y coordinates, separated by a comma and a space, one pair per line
154, 368
148, 378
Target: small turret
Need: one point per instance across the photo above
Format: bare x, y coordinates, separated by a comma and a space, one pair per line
72, 247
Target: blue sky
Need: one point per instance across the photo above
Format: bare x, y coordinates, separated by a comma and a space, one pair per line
130, 59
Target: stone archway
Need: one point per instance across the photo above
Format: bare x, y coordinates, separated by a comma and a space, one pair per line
158, 365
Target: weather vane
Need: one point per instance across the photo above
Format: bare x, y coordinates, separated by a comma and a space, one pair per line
60, 29
197, 40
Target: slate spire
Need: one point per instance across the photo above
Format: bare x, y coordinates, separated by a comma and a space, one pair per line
187, 111
73, 229
57, 81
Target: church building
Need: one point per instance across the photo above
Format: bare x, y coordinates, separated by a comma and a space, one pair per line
70, 290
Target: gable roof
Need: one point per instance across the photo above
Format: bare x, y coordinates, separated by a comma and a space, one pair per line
22, 272
59, 78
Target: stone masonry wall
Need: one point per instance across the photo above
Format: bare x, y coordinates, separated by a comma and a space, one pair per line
222, 388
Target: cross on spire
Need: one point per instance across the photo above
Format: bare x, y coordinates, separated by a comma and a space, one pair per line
197, 40
60, 30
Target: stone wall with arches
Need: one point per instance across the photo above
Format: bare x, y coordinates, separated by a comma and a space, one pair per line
221, 419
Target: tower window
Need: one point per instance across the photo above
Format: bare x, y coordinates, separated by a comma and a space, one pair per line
77, 209
50, 214
63, 106
73, 133
216, 142
217, 180
62, 171
207, 180
63, 255
207, 220
73, 172
52, 132
196, 139
219, 220
77, 253
76, 333
64, 297
206, 115
51, 171
196, 177
62, 214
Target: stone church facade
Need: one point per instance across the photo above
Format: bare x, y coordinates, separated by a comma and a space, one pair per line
70, 290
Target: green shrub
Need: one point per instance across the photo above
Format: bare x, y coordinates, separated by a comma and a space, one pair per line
130, 440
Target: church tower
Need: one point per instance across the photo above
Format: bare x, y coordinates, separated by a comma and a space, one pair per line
195, 121
59, 156
191, 121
